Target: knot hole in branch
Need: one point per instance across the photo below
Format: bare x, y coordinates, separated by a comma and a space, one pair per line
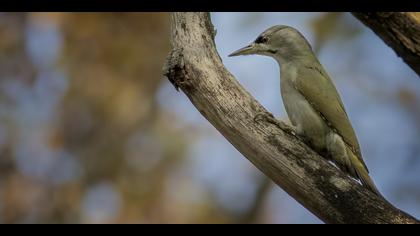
174, 69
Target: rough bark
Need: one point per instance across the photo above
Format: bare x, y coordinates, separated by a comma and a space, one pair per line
400, 31
194, 66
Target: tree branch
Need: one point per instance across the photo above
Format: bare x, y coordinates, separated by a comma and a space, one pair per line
195, 67
400, 31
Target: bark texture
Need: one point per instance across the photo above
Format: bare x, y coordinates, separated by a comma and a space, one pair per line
194, 66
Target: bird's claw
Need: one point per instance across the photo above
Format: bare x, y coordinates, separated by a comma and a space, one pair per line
268, 117
263, 116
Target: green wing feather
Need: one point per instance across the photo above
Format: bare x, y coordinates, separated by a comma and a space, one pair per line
316, 86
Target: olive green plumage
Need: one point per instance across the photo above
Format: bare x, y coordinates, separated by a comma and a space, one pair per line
316, 86
311, 100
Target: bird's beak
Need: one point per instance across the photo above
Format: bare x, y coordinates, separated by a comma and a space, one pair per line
250, 49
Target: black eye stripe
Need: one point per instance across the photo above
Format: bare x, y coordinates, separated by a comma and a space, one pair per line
261, 39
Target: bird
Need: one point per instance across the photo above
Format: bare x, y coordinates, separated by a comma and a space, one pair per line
311, 100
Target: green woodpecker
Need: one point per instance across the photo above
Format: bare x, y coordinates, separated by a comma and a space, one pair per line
312, 102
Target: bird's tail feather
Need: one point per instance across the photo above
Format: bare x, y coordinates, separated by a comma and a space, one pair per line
362, 173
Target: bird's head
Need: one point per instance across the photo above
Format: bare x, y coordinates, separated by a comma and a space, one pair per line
279, 42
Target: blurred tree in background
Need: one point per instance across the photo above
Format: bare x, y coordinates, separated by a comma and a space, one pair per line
91, 133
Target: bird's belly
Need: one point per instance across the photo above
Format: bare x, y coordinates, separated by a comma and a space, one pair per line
308, 122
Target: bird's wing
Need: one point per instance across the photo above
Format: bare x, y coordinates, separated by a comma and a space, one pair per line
316, 86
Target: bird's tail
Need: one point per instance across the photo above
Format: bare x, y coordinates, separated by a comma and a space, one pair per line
362, 173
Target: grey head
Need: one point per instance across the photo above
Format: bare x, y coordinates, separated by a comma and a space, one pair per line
283, 43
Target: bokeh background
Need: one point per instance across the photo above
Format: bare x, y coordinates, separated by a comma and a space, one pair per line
90, 132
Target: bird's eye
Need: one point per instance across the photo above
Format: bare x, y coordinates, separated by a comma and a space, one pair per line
261, 39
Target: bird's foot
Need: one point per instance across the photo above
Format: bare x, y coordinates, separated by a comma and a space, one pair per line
268, 117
